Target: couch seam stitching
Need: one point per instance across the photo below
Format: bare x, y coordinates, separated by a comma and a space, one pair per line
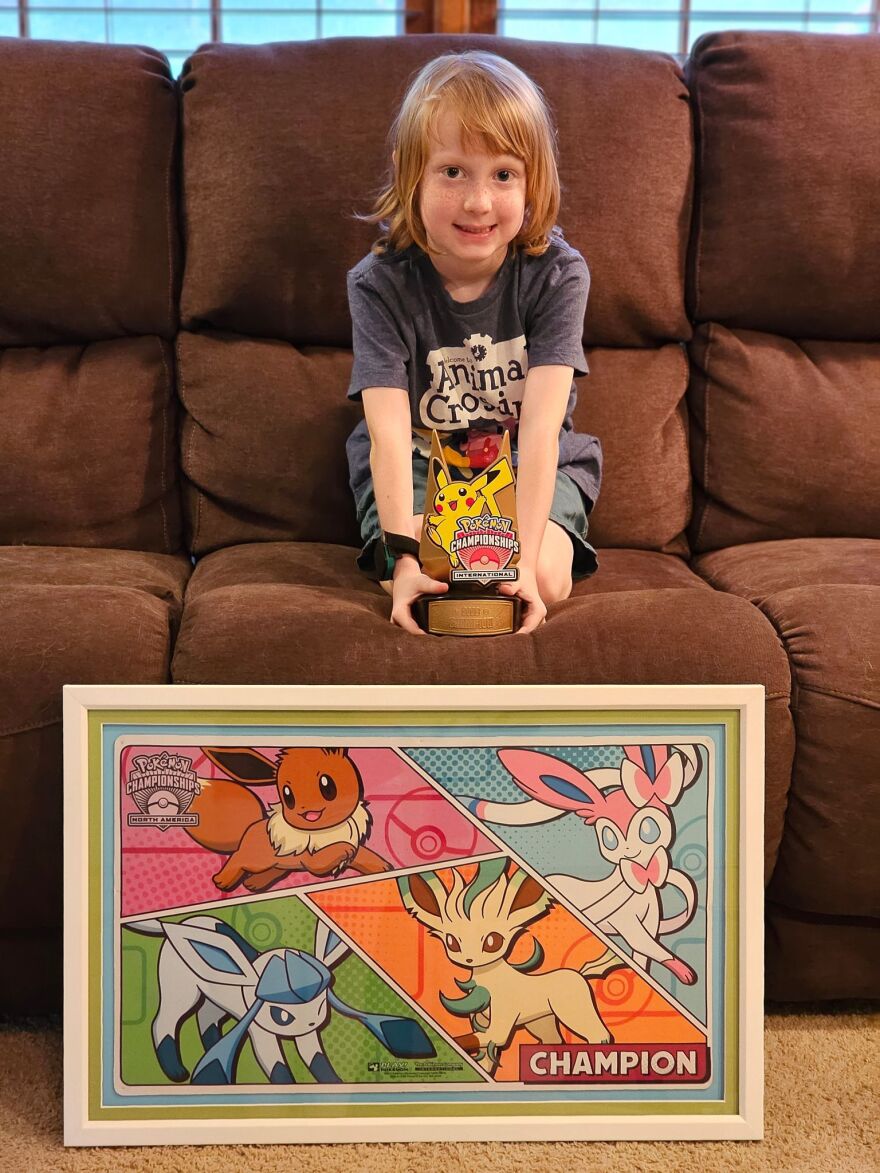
13, 729
699, 225
796, 677
847, 696
162, 482
706, 506
168, 223
191, 424
683, 359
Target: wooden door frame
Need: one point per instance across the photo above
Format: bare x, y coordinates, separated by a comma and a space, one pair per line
451, 16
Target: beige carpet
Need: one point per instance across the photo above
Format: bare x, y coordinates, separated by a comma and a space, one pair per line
822, 1109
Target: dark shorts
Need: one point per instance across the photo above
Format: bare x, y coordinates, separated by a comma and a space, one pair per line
567, 509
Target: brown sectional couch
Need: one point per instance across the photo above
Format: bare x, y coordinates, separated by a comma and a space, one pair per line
175, 349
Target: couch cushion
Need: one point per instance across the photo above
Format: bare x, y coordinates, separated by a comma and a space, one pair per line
263, 443
635, 401
270, 199
302, 614
784, 438
88, 446
81, 616
305, 564
88, 296
88, 235
762, 569
160, 575
823, 598
636, 570
66, 617
787, 219
272, 177
809, 957
317, 564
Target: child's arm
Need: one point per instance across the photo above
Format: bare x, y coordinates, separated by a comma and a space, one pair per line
388, 420
543, 409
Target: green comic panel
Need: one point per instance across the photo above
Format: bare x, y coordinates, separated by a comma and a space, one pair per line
356, 1055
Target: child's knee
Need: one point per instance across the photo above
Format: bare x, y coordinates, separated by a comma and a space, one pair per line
554, 583
554, 564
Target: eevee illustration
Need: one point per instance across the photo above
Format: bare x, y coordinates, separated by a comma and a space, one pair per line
319, 825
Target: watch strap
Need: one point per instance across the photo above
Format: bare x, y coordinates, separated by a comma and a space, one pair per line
399, 544
388, 549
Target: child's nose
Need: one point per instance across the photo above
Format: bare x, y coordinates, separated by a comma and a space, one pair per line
478, 199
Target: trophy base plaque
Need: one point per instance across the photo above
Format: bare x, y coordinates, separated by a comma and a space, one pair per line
457, 613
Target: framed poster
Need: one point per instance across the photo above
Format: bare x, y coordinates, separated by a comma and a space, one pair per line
413, 913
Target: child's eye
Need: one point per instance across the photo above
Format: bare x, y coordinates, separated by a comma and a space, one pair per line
505, 174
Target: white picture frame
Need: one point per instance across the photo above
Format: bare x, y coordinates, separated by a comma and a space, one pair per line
688, 1068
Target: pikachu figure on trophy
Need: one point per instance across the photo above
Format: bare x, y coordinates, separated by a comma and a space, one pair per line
469, 539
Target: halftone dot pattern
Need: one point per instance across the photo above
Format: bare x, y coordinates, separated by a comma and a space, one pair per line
475, 771
568, 846
374, 915
412, 823
462, 768
274, 924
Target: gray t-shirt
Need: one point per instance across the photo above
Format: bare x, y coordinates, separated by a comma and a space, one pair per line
464, 364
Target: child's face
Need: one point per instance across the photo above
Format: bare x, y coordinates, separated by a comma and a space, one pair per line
461, 190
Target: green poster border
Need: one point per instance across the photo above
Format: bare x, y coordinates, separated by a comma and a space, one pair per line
729, 718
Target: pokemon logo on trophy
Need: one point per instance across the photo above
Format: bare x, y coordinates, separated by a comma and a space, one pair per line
469, 539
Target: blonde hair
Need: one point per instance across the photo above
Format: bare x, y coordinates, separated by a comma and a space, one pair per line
498, 108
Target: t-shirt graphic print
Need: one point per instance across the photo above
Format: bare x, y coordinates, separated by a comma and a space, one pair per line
481, 381
464, 364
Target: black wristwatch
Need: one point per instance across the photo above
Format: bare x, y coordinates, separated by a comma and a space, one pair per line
389, 548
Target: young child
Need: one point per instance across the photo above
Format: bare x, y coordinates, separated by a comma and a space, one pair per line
467, 318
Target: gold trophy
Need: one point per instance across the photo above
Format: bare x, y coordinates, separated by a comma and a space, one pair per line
469, 539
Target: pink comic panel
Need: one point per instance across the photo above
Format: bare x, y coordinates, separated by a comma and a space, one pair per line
200, 823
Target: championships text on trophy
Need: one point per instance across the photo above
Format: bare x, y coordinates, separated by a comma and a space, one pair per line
469, 539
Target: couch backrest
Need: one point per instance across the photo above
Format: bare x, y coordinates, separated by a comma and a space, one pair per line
89, 269
784, 283
282, 143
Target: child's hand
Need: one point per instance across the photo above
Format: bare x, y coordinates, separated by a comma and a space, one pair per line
408, 583
526, 586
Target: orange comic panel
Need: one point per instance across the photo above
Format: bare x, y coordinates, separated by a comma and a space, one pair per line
373, 916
